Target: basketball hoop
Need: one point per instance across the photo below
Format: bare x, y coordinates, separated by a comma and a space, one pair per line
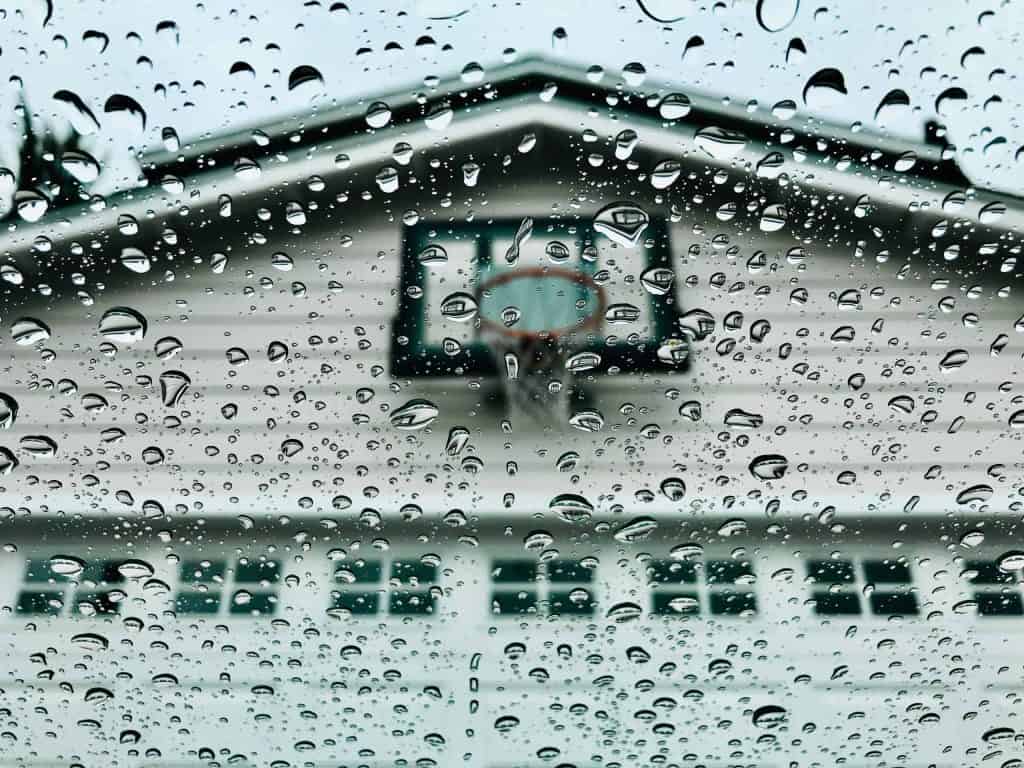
545, 314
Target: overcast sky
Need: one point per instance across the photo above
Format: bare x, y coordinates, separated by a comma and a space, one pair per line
175, 59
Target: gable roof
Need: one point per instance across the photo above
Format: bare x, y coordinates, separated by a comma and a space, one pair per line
516, 88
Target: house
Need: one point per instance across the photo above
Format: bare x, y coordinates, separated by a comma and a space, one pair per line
252, 454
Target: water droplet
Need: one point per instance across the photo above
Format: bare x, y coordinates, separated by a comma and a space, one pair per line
674, 106
31, 205
673, 352
457, 439
950, 99
735, 527
123, 325
673, 488
720, 143
8, 411
759, 329
294, 213
433, 254
11, 274
770, 716
902, 403
635, 530
460, 307
620, 314
522, 235
953, 360
769, 466
1011, 562
307, 78
972, 539
135, 260
665, 174
135, 569
439, 117
893, 105
470, 173
625, 143
661, 11
120, 104
991, 212
622, 223
557, 252
740, 419
687, 551
657, 280
697, 324
28, 330
824, 88
998, 735
776, 15
571, 507
8, 462
167, 347
620, 613
975, 494
773, 217
172, 387
691, 410
77, 112
506, 723
90, 642
67, 565
38, 445
378, 114
81, 165
588, 361
415, 414
587, 420
98, 695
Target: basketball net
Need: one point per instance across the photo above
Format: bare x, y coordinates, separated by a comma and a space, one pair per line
531, 364
533, 377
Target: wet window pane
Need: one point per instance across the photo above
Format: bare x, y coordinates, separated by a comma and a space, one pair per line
534, 384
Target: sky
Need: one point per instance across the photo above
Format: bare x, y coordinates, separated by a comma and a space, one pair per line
208, 68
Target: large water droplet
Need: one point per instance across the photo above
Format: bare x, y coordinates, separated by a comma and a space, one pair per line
8, 411
674, 106
28, 330
720, 143
121, 104
123, 325
776, 15
67, 565
571, 507
306, 78
415, 414
769, 466
172, 387
1011, 562
824, 88
622, 223
433, 255
740, 419
81, 165
636, 530
587, 420
459, 306
770, 716
77, 112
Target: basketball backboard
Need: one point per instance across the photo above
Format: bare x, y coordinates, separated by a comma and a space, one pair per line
438, 328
